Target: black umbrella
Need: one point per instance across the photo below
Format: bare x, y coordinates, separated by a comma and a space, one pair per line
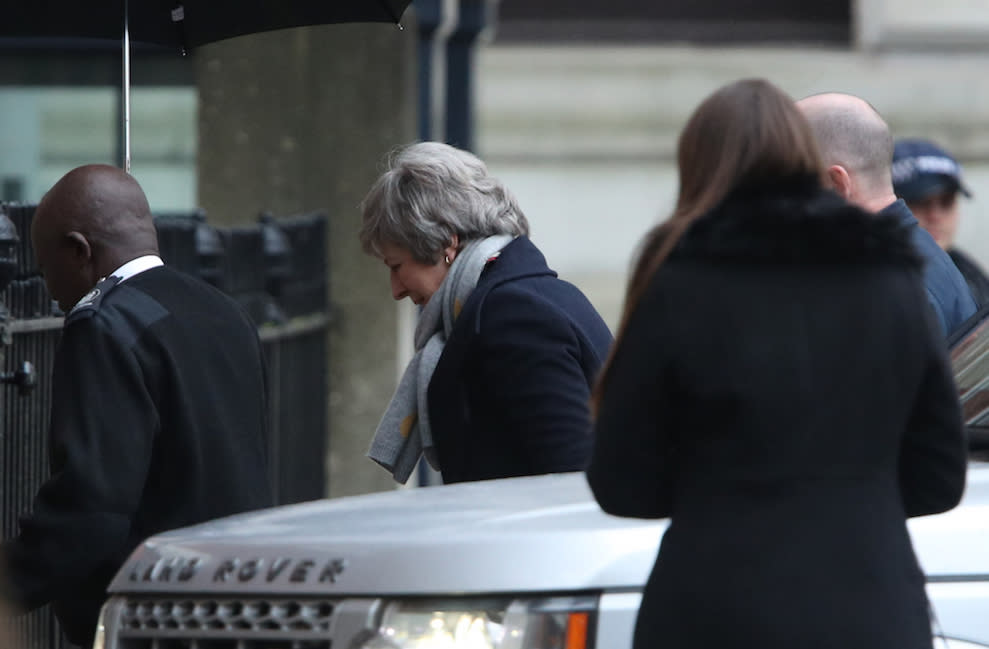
182, 24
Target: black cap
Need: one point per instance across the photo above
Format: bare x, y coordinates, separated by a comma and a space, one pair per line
922, 168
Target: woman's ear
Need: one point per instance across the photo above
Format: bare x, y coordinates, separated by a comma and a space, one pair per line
450, 252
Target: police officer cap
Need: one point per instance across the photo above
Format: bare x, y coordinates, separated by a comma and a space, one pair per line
922, 168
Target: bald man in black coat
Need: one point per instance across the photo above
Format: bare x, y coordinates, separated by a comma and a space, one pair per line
159, 416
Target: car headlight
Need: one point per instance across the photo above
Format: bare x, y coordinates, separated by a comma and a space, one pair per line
108, 620
99, 641
555, 623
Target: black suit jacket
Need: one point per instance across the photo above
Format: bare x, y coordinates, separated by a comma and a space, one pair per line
974, 276
158, 421
782, 393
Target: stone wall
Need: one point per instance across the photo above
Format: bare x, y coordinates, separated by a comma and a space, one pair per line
586, 136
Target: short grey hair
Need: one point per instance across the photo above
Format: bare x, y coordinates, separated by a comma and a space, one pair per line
431, 192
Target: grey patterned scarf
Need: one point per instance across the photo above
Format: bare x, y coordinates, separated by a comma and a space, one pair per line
404, 435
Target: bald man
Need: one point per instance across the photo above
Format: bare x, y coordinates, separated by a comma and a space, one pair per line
158, 412
857, 149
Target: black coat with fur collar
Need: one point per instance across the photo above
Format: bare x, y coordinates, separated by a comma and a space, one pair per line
782, 393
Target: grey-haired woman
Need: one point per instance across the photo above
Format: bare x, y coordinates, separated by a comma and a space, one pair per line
506, 351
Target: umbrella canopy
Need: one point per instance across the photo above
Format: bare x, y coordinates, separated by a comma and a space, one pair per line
179, 23
185, 23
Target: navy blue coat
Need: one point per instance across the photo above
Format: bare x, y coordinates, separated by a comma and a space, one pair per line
509, 396
947, 291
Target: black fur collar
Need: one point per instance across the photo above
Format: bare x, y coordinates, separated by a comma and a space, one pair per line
796, 222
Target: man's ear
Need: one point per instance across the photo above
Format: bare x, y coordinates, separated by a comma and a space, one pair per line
79, 246
840, 181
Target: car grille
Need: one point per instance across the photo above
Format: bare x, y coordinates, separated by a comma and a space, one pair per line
218, 623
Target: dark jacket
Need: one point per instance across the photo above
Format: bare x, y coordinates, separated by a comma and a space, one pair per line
947, 291
782, 393
974, 276
158, 421
509, 394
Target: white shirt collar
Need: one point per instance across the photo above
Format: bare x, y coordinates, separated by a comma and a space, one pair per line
135, 266
128, 270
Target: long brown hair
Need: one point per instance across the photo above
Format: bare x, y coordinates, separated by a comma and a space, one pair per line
747, 134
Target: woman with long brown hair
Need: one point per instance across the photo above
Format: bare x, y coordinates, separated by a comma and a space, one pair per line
779, 389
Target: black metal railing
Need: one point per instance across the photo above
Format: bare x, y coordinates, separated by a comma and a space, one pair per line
276, 268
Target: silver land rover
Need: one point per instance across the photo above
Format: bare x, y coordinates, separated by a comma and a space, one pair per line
523, 563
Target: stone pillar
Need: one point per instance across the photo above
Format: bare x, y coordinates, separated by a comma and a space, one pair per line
296, 121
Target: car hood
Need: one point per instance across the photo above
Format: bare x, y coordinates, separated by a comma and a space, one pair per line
535, 534
515, 535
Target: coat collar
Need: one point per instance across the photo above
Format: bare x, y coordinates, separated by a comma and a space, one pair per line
796, 222
898, 210
520, 258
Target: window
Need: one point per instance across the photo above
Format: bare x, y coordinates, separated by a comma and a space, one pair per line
61, 108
